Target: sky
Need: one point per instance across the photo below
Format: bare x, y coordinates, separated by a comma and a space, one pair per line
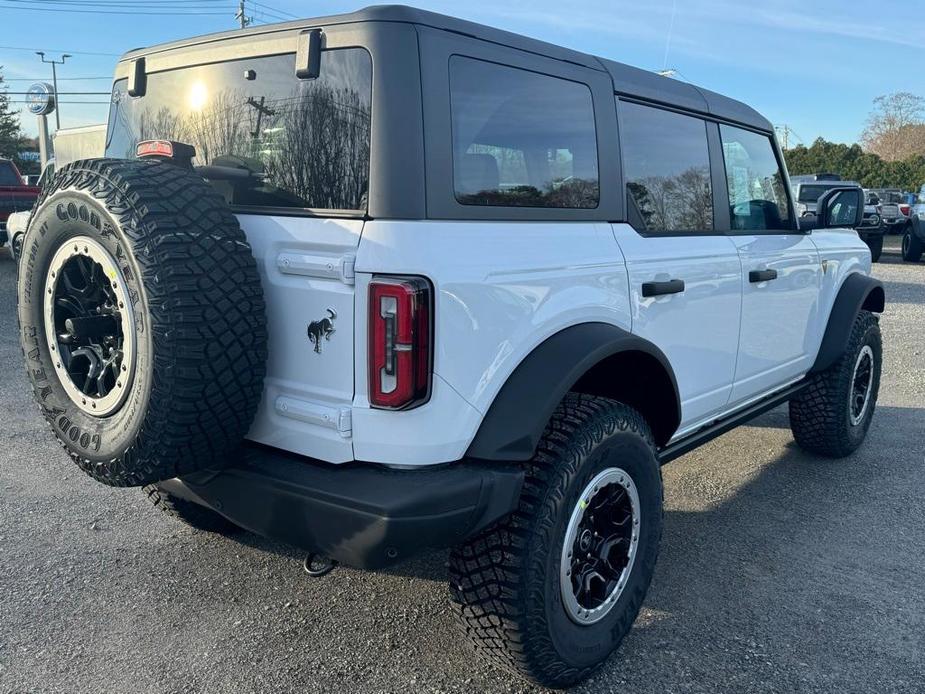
814, 65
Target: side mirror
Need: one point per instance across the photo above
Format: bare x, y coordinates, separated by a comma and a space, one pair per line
840, 208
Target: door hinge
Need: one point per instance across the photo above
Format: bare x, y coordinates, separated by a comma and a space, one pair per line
338, 418
323, 266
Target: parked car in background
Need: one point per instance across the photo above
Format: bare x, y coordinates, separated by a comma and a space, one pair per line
807, 190
891, 212
914, 239
15, 195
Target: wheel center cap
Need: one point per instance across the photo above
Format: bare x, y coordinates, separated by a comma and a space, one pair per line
584, 542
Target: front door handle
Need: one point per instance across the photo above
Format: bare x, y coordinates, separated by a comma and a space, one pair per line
660, 288
762, 275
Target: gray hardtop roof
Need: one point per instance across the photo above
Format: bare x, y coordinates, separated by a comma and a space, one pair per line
627, 80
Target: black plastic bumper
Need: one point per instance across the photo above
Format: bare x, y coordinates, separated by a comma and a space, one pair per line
360, 514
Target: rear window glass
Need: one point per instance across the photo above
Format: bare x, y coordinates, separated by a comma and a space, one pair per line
300, 143
813, 193
521, 139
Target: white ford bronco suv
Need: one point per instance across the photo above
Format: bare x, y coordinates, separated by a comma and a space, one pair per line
387, 281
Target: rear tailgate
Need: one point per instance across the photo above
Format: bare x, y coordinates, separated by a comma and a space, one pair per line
306, 266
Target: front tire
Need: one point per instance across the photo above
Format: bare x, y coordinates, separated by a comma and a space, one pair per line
832, 415
550, 592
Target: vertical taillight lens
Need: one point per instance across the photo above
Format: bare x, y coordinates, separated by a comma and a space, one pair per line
399, 341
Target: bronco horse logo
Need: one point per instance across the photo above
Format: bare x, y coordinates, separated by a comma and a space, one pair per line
323, 328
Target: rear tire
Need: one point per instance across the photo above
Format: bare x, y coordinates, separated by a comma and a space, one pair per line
511, 584
912, 247
194, 515
832, 415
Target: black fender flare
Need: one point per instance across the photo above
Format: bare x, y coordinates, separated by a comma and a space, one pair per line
513, 425
857, 292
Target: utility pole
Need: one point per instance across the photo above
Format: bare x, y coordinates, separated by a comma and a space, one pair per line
241, 16
54, 78
785, 131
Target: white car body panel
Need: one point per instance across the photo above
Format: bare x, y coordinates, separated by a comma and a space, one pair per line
306, 269
698, 330
501, 289
780, 330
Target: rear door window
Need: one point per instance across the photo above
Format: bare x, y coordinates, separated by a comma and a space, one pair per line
520, 138
666, 164
757, 194
299, 143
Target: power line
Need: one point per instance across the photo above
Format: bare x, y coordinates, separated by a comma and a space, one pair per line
174, 13
167, 4
60, 79
274, 10
57, 50
65, 93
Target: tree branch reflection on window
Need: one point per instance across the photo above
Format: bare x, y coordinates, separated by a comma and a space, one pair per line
675, 203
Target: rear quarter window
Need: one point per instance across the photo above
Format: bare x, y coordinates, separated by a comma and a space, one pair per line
520, 138
303, 143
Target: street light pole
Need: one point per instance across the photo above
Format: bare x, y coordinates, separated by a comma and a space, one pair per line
54, 80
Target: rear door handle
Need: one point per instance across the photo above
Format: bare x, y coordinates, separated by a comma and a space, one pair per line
660, 288
762, 275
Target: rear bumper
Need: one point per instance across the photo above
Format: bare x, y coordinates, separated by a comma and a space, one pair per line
362, 515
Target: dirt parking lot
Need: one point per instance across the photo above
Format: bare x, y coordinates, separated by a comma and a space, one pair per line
778, 572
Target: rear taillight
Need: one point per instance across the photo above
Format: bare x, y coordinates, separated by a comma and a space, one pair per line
400, 359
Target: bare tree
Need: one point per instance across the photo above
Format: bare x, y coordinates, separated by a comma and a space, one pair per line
895, 129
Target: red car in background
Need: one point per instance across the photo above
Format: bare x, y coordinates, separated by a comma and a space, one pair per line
15, 196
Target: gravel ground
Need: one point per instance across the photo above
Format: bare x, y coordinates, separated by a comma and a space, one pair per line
778, 572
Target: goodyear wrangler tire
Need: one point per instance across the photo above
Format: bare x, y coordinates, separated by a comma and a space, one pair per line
550, 592
142, 320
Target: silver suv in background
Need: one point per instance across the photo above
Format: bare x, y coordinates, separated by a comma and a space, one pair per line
809, 188
887, 201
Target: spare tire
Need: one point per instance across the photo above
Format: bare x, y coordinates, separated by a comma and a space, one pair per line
142, 320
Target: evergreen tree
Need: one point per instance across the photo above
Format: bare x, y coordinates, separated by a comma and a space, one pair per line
10, 134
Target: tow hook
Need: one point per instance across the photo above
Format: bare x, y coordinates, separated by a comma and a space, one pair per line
316, 565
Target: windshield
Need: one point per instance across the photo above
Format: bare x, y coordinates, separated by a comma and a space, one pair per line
889, 196
301, 143
812, 193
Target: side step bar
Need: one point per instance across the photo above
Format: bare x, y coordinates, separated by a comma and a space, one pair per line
721, 426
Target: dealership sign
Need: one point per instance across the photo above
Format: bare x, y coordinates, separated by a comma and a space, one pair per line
40, 99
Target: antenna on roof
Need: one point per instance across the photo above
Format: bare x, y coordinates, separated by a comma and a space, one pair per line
669, 72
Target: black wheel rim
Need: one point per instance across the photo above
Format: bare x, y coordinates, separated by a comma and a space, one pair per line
88, 325
600, 546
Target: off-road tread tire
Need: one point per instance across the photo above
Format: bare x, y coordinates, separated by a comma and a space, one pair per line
191, 513
819, 414
491, 598
207, 316
912, 247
